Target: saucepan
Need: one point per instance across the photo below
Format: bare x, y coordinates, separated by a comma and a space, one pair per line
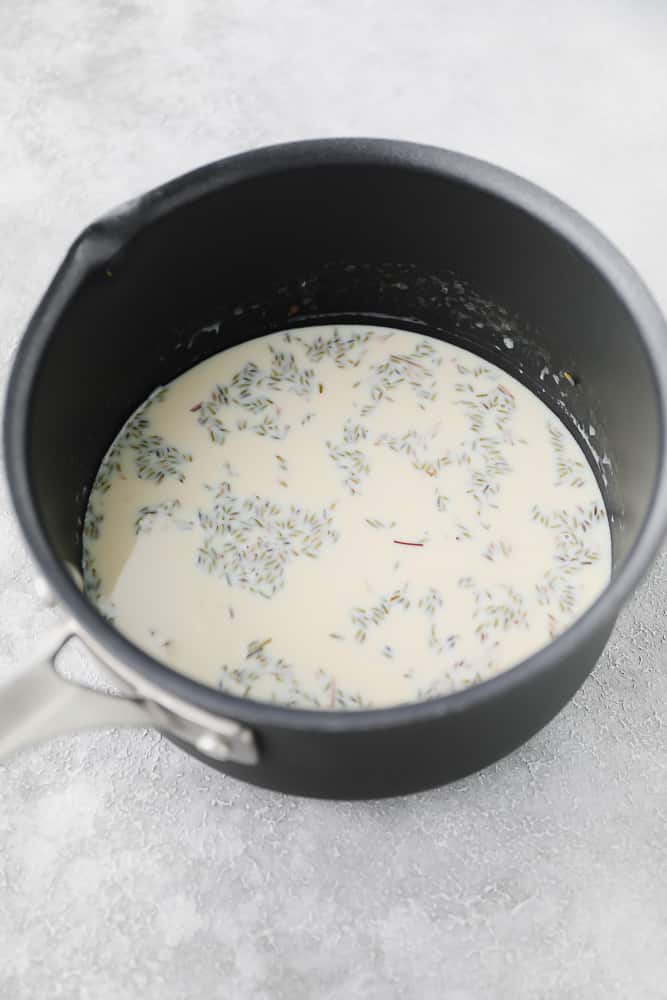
337, 230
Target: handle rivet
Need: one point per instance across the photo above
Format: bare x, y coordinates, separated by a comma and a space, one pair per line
44, 592
212, 745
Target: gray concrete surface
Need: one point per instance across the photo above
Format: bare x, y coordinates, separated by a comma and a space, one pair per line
128, 870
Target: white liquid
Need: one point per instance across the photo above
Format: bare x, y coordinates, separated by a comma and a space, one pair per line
250, 525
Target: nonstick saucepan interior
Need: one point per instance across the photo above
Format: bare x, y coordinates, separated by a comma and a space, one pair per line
341, 230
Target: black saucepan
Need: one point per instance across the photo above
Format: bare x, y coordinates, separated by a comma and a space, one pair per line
331, 230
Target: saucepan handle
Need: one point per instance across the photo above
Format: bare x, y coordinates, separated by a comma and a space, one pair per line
40, 704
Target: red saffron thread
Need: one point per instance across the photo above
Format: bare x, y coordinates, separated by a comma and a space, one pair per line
417, 545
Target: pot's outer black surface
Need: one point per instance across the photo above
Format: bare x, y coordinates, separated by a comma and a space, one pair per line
347, 229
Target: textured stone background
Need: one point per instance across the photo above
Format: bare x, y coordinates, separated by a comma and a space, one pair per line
127, 869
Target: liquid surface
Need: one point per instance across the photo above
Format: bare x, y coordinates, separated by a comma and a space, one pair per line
344, 517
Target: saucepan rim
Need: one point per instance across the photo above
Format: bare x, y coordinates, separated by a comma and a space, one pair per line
103, 239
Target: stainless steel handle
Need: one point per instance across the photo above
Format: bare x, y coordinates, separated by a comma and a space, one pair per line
40, 703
